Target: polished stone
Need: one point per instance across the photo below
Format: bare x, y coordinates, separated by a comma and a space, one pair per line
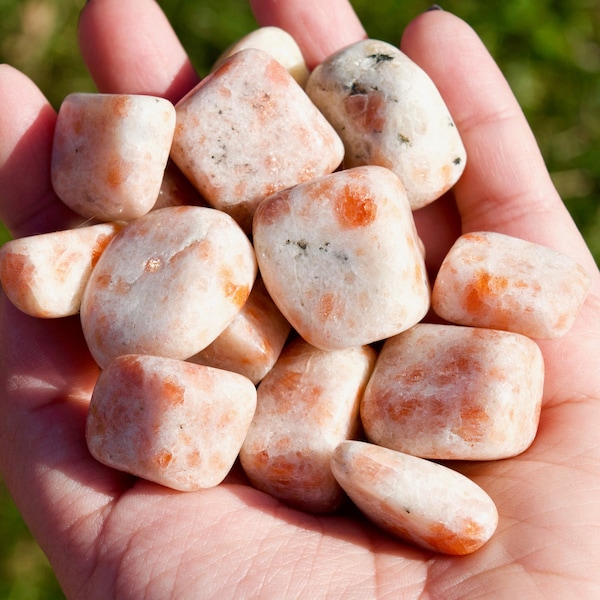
388, 112
168, 421
109, 153
419, 501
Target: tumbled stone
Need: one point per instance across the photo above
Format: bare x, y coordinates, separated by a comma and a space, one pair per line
452, 392
249, 130
168, 421
276, 42
45, 275
341, 258
493, 280
168, 284
176, 190
420, 501
109, 153
306, 406
252, 342
388, 112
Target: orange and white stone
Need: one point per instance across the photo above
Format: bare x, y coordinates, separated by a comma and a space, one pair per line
452, 392
45, 275
419, 501
176, 190
306, 406
168, 421
276, 42
252, 342
498, 281
249, 130
341, 258
169, 283
388, 112
110, 152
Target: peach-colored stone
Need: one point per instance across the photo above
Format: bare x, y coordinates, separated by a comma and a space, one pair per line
498, 281
451, 392
388, 112
110, 152
168, 284
45, 275
306, 406
176, 190
341, 258
279, 44
249, 130
420, 501
252, 342
168, 421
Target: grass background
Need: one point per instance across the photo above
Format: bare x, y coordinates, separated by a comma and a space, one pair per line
549, 51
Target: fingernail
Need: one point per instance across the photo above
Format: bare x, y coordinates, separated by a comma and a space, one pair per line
434, 7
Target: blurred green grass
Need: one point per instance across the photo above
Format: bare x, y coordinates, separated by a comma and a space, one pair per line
549, 50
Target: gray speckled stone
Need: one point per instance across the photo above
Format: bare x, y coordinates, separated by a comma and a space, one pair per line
388, 112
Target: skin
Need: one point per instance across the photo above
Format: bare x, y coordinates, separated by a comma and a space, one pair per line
108, 535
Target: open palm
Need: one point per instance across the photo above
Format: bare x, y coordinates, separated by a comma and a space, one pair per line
109, 535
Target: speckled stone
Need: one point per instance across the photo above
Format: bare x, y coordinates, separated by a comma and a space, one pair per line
249, 130
109, 153
168, 284
306, 406
501, 282
452, 392
252, 342
276, 42
417, 500
341, 258
45, 275
168, 421
388, 112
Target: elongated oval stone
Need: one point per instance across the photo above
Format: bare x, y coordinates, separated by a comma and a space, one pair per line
110, 152
451, 392
306, 406
168, 421
421, 502
494, 280
276, 42
168, 284
388, 112
341, 258
252, 342
45, 275
249, 130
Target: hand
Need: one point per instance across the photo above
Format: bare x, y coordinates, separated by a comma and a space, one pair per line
109, 535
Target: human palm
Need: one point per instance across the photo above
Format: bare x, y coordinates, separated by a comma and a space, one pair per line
109, 535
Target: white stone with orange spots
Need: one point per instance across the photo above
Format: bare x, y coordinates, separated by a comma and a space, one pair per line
341, 258
494, 280
169, 283
419, 501
110, 152
249, 130
168, 421
388, 112
252, 342
452, 392
45, 275
279, 44
306, 406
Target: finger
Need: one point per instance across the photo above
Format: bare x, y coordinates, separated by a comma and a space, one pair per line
130, 47
506, 186
318, 27
28, 204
